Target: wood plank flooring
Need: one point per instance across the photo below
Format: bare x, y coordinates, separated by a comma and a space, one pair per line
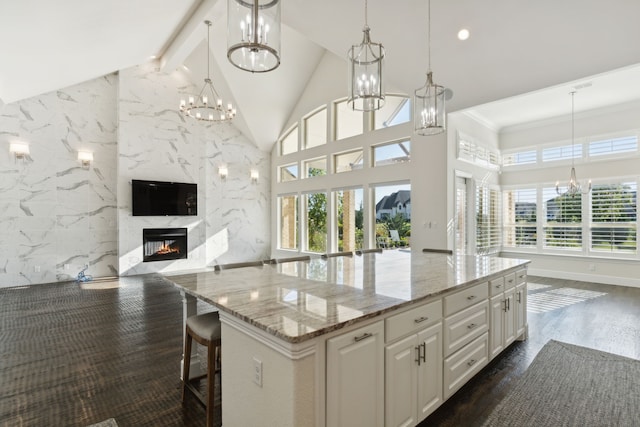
73, 355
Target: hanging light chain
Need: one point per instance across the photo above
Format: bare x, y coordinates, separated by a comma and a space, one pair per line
429, 35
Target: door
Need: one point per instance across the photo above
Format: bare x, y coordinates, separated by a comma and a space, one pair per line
430, 371
355, 378
401, 378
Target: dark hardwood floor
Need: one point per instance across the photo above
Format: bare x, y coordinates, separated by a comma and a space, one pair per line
73, 355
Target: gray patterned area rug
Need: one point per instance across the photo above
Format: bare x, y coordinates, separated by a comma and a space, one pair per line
106, 423
568, 385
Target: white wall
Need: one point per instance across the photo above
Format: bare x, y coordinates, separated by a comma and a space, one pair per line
156, 142
56, 216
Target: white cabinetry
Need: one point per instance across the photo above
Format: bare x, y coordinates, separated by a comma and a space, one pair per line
508, 311
466, 340
355, 378
413, 365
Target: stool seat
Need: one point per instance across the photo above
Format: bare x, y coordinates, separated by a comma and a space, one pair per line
206, 325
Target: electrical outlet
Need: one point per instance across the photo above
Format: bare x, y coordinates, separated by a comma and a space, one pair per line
257, 372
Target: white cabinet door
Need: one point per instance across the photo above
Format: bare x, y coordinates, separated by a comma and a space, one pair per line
430, 371
496, 331
401, 382
355, 378
521, 310
510, 317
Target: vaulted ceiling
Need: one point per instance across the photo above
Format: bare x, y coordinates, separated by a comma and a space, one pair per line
516, 47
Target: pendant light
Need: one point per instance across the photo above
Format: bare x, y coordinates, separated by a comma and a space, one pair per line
253, 34
573, 186
429, 115
366, 66
207, 105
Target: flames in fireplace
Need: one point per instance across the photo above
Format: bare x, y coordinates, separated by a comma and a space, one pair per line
163, 244
167, 249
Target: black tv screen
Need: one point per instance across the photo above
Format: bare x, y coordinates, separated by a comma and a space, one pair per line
158, 198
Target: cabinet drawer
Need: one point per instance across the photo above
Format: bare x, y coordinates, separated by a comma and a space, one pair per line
464, 364
463, 327
496, 286
521, 276
412, 320
510, 281
467, 298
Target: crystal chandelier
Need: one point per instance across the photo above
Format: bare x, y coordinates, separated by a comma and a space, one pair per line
253, 34
429, 115
573, 186
366, 64
207, 105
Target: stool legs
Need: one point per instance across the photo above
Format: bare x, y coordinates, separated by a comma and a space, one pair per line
213, 353
187, 363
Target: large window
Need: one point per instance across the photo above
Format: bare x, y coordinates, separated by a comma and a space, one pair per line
396, 110
288, 172
348, 122
330, 167
391, 153
564, 152
289, 144
350, 219
563, 220
315, 129
614, 217
393, 215
288, 212
626, 144
487, 220
316, 218
519, 218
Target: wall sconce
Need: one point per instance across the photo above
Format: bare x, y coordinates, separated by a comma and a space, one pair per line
19, 150
254, 175
85, 158
223, 172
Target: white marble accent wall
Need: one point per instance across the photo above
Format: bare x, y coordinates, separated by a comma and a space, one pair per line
156, 142
57, 216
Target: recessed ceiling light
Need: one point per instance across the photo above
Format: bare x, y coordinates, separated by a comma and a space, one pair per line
463, 34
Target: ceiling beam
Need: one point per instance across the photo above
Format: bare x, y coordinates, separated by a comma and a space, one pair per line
189, 36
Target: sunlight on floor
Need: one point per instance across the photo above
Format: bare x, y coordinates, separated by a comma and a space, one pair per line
536, 286
553, 299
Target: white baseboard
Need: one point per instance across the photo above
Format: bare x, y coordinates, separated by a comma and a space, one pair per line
596, 278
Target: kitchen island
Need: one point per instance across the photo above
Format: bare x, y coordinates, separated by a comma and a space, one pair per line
373, 339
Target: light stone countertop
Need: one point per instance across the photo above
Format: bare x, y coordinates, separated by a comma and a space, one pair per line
297, 301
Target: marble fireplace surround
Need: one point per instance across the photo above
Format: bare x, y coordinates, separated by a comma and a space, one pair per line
60, 217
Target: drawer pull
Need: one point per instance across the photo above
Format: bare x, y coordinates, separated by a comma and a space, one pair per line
471, 362
498, 286
510, 280
471, 297
471, 326
362, 337
521, 276
421, 319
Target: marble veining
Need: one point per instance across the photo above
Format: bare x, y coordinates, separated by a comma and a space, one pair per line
297, 301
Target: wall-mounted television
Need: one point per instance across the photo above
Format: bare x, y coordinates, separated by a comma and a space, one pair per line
159, 198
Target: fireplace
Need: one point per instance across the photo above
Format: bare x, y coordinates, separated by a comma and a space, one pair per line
162, 244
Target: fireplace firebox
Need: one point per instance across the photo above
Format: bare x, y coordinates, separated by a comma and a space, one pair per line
162, 244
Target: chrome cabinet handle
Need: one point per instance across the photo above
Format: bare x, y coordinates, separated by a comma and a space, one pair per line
421, 353
471, 326
418, 354
471, 362
520, 296
362, 337
498, 286
506, 307
471, 297
421, 319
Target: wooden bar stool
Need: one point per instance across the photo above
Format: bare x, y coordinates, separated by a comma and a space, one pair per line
205, 329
